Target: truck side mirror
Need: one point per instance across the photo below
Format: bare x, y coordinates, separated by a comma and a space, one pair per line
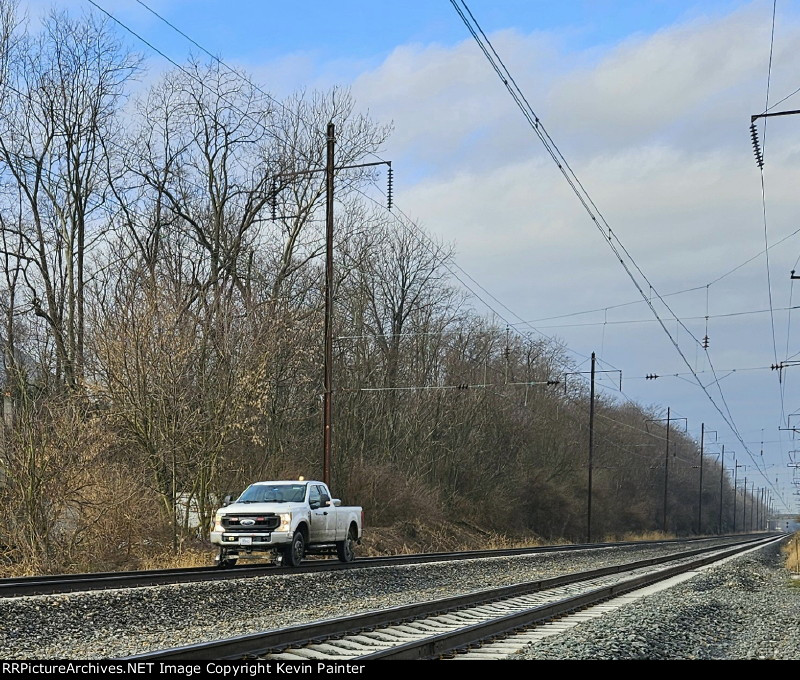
336, 502
227, 500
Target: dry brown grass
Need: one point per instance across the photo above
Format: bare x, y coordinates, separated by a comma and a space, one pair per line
189, 557
792, 552
404, 538
164, 558
641, 536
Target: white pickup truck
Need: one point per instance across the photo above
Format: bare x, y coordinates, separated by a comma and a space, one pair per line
287, 519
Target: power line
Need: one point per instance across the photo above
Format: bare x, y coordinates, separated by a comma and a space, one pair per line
620, 322
585, 199
296, 115
677, 292
204, 84
686, 318
678, 375
218, 60
764, 204
779, 102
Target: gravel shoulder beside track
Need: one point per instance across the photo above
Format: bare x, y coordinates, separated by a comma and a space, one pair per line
747, 608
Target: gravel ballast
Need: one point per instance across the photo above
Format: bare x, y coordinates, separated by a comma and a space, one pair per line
746, 608
118, 623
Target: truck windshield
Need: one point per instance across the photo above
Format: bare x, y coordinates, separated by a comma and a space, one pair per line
273, 493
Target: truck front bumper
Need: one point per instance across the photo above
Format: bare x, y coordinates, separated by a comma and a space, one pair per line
256, 540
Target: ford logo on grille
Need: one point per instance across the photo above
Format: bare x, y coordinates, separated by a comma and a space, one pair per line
247, 522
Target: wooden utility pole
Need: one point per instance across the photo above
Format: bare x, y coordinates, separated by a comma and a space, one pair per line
591, 455
669, 419
721, 479
700, 491
327, 409
744, 507
736, 467
327, 406
593, 372
666, 476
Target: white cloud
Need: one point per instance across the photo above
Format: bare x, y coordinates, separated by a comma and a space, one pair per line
657, 130
442, 99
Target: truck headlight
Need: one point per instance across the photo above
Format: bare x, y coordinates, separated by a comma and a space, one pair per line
286, 521
218, 522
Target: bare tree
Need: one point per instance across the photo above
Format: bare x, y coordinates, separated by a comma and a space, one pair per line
65, 86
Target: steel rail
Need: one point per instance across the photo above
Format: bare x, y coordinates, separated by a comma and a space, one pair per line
256, 644
448, 643
65, 583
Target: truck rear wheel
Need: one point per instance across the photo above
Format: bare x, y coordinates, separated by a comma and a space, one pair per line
294, 554
346, 549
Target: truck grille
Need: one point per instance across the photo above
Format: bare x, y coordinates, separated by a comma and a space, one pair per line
248, 523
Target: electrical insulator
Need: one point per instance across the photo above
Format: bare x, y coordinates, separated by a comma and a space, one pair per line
756, 146
273, 198
650, 376
705, 342
389, 183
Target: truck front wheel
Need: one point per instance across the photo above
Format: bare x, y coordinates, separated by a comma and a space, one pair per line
293, 555
226, 561
346, 549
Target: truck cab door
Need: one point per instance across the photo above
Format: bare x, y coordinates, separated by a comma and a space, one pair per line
322, 519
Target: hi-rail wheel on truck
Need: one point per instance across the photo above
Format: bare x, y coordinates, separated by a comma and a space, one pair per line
288, 519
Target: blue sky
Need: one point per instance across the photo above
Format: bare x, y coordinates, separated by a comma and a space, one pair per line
369, 30
650, 103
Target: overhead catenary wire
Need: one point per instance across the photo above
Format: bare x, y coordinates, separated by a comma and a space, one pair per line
301, 153
764, 206
685, 318
610, 238
673, 293
782, 379
605, 322
589, 206
231, 70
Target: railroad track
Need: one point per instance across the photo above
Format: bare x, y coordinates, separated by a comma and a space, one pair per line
65, 583
438, 628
